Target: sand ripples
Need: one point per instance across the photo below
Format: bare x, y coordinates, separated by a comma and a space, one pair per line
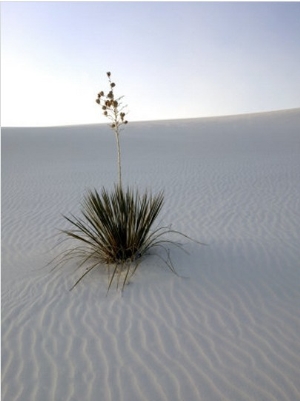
229, 339
230, 331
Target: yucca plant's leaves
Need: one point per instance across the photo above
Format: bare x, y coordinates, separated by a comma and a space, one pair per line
116, 229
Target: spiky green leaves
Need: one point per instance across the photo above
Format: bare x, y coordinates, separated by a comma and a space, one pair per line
115, 229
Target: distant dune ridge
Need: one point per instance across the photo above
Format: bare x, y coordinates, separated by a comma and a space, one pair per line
227, 332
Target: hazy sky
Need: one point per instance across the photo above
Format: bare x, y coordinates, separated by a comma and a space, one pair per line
170, 59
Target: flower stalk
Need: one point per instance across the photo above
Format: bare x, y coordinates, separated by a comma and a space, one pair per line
114, 110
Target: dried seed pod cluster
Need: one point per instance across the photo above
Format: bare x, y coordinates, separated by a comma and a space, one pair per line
112, 108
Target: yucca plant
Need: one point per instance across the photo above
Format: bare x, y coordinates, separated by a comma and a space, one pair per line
116, 228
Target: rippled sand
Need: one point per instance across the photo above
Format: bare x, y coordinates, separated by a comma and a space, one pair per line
229, 331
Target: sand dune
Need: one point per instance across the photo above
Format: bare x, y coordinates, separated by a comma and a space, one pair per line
228, 331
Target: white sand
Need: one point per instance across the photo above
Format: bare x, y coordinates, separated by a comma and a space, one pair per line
231, 331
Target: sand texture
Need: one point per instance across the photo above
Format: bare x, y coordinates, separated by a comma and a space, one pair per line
230, 331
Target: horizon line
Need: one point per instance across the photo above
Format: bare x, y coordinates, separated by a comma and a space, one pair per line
157, 120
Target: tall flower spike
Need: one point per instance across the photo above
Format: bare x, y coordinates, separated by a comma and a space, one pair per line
111, 109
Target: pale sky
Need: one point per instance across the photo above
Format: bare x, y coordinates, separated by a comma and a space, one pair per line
170, 59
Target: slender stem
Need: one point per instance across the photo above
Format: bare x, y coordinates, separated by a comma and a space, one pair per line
119, 158
116, 129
